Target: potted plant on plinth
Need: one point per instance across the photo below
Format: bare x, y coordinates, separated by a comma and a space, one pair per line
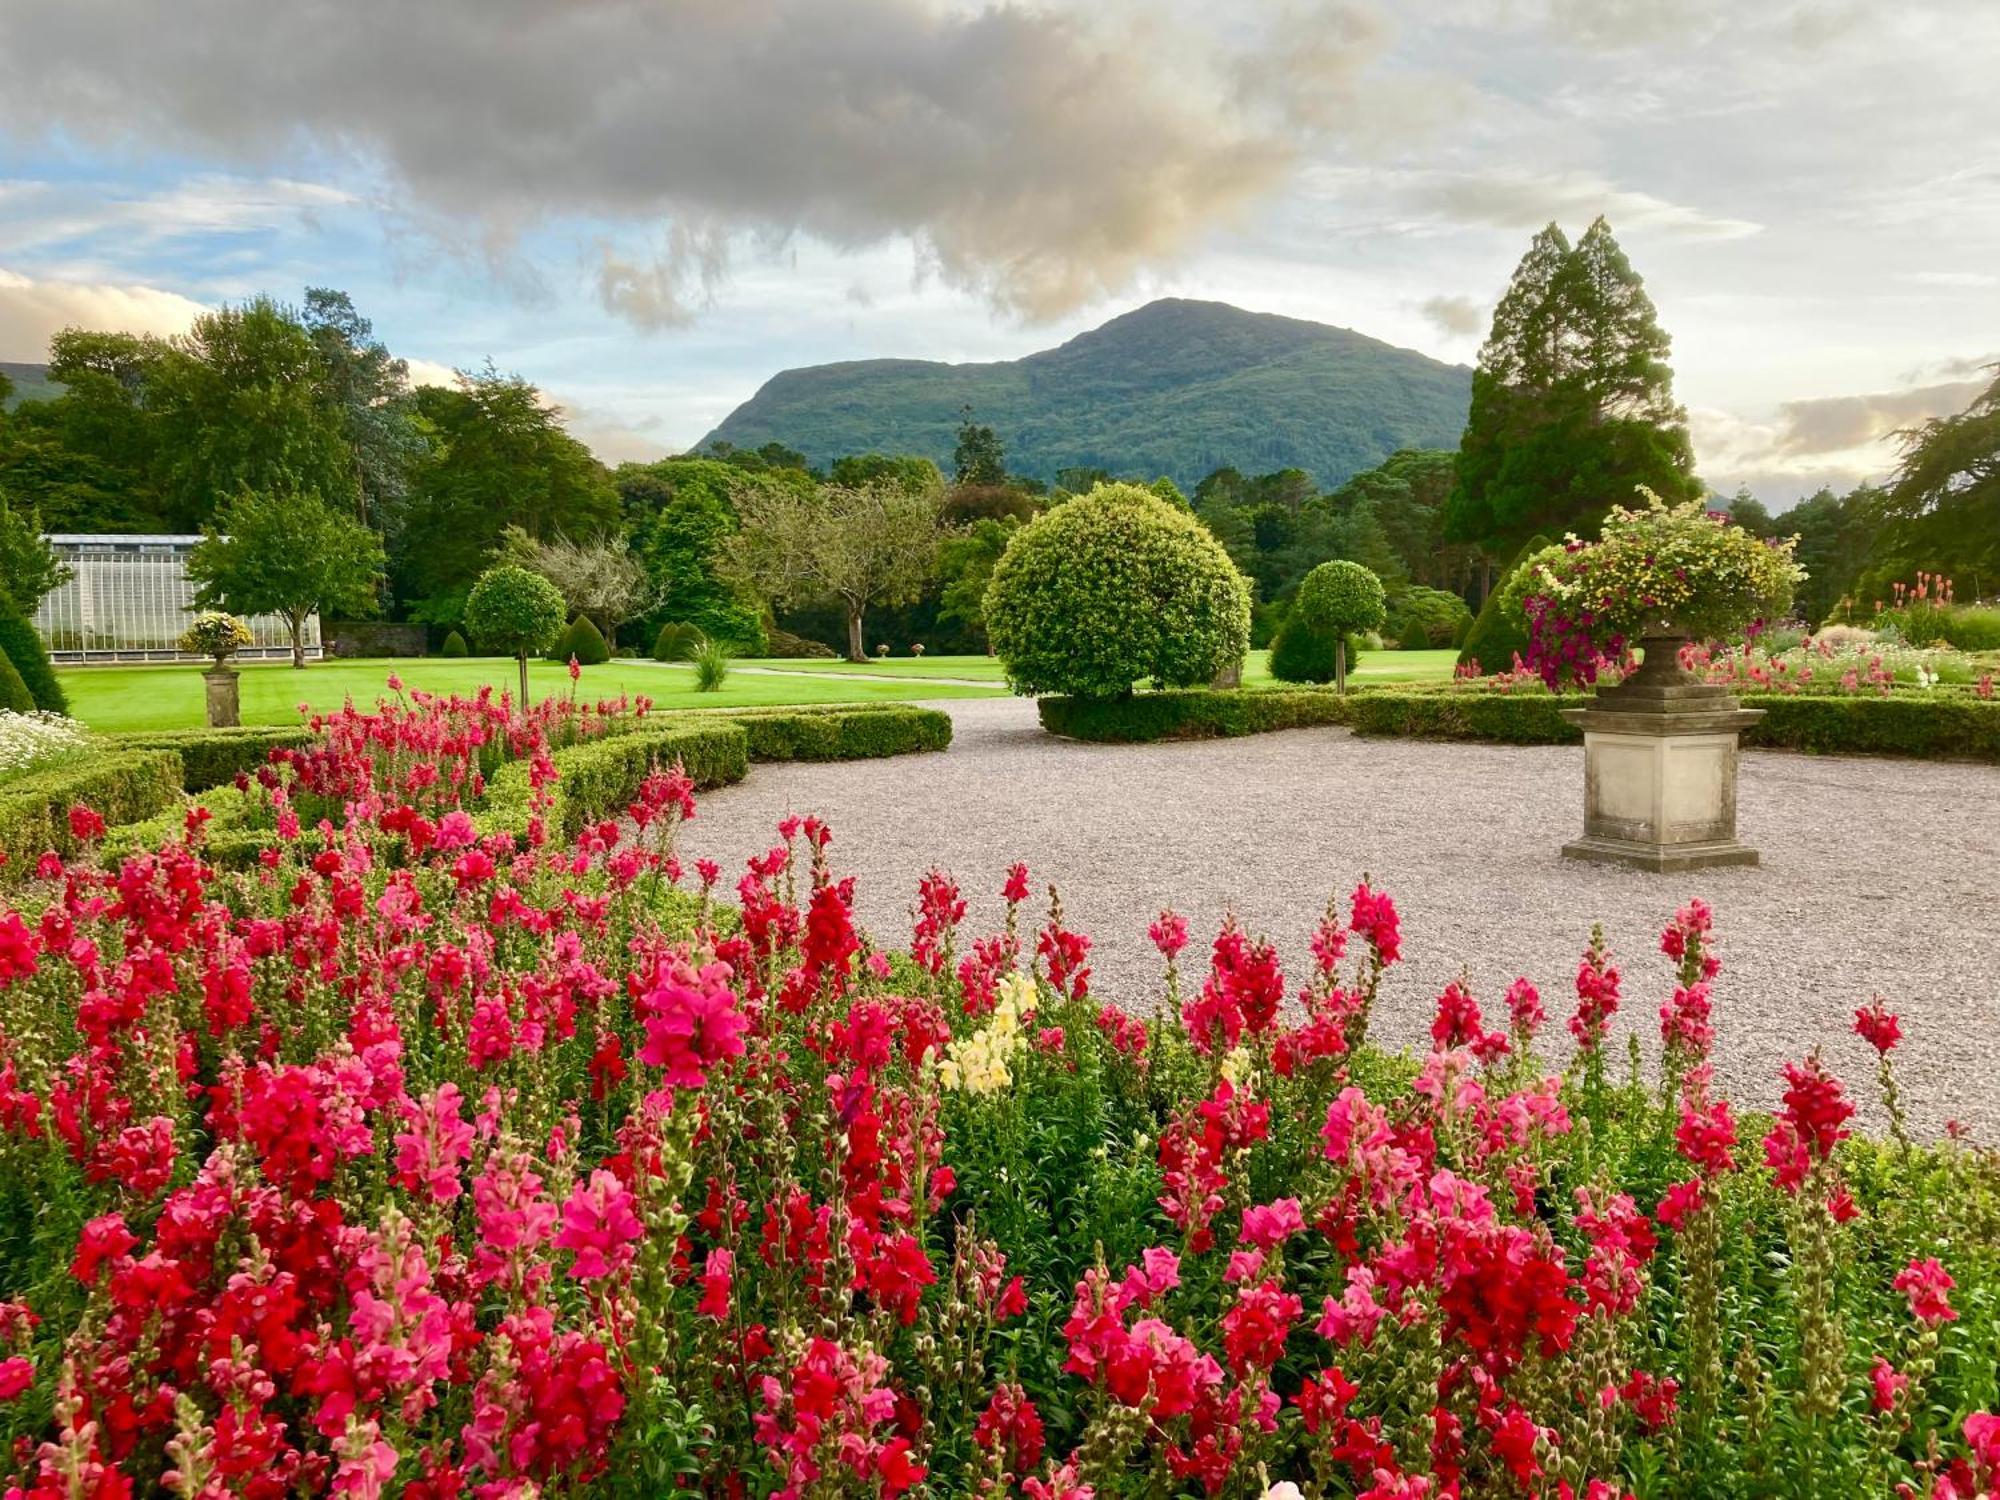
1660, 745
218, 635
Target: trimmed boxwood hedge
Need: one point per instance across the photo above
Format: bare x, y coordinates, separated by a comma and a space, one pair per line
1190, 714
210, 757
1935, 726
842, 732
599, 780
122, 786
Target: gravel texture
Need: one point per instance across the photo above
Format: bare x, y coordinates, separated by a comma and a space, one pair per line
1879, 876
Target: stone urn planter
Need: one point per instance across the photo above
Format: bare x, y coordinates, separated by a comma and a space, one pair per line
224, 709
1659, 779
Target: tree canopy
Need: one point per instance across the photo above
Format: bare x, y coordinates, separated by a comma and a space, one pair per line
290, 555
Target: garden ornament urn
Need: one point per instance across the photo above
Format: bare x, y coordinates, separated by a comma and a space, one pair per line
223, 711
1659, 772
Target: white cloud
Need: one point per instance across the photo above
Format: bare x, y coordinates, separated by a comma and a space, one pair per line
1522, 199
33, 310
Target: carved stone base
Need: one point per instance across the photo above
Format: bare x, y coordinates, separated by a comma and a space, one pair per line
1659, 777
221, 698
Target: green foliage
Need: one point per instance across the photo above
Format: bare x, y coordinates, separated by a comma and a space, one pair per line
1572, 401
1343, 597
498, 456
904, 470
1174, 388
711, 666
1426, 619
1499, 634
1944, 502
677, 641
966, 565
1112, 587
123, 786
797, 647
978, 457
682, 510
29, 568
213, 757
454, 645
14, 694
513, 612
842, 732
1189, 714
584, 642
1302, 652
286, 553
22, 645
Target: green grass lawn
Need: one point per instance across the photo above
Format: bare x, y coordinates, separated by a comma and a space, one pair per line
1378, 667
111, 699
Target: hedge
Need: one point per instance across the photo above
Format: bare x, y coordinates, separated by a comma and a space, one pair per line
1190, 714
211, 757
1930, 727
600, 779
842, 732
121, 786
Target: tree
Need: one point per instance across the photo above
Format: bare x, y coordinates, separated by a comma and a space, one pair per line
858, 547
88, 460
516, 613
240, 404
290, 555
1572, 400
682, 512
1944, 501
498, 456
601, 580
1336, 600
370, 390
29, 569
911, 471
979, 457
966, 564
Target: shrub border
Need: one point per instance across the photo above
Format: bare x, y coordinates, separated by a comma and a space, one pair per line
1190, 714
123, 786
210, 757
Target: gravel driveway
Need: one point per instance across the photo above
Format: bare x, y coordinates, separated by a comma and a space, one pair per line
1878, 876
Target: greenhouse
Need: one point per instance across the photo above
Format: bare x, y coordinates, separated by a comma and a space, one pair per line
131, 598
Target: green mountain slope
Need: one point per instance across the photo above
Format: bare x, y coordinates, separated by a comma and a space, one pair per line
1176, 387
31, 382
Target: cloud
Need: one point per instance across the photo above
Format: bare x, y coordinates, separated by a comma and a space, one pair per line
430, 372
31, 311
1040, 159
1456, 317
1838, 424
1516, 198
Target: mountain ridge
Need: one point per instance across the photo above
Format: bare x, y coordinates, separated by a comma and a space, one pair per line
1178, 387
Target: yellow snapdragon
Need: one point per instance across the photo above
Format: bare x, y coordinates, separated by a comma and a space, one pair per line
981, 1063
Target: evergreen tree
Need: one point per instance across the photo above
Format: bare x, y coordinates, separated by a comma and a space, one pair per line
979, 457
1572, 400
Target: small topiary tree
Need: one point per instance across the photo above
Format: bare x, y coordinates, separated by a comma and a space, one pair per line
1300, 652
516, 613
1113, 587
678, 641
1339, 599
582, 641
454, 645
22, 645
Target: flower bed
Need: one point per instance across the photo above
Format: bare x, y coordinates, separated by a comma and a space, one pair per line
423, 1162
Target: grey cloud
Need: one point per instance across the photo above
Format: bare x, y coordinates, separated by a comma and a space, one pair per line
1835, 424
1034, 158
1514, 198
1458, 317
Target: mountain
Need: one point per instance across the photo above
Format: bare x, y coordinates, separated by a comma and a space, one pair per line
31, 382
1176, 387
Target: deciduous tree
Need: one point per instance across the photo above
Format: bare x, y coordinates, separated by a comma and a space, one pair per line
290, 555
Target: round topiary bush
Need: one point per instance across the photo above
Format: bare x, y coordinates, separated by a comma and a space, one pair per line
516, 613
584, 642
1300, 653
454, 645
1111, 588
22, 645
1336, 600
678, 641
14, 694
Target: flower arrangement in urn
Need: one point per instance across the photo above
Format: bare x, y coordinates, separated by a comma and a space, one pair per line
216, 634
1663, 572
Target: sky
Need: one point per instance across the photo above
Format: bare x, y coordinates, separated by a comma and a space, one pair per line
648, 207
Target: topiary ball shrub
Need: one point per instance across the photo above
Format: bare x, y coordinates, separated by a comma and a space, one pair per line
1338, 600
454, 645
1299, 653
1113, 587
678, 641
516, 613
582, 641
22, 645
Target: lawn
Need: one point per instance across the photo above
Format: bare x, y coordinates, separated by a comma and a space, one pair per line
1376, 666
170, 697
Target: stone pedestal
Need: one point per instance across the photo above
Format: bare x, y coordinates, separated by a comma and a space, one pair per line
1659, 778
223, 712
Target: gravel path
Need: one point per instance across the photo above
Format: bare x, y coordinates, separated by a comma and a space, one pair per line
1878, 876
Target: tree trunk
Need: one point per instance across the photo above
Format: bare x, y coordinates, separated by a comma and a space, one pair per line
854, 651
521, 704
298, 624
1340, 665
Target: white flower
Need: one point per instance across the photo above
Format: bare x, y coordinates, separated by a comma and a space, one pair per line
1284, 1489
30, 740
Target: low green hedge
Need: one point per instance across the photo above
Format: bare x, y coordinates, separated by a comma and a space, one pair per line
841, 732
121, 786
211, 757
600, 779
1932, 726
1190, 714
